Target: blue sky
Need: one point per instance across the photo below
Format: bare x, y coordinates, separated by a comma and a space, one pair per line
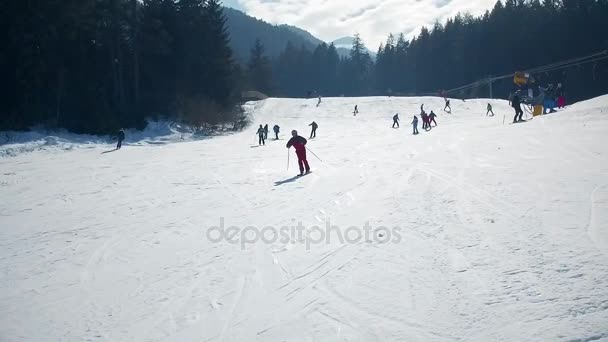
372, 19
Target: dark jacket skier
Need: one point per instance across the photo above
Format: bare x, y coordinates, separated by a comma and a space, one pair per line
265, 131
396, 120
415, 124
260, 133
299, 143
121, 137
356, 111
447, 106
516, 104
432, 117
313, 133
489, 110
276, 130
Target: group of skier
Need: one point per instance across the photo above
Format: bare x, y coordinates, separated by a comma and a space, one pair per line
262, 133
298, 142
427, 119
552, 97
546, 99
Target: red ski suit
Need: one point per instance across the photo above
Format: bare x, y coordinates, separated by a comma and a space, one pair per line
299, 143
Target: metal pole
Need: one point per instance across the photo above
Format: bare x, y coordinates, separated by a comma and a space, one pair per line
314, 154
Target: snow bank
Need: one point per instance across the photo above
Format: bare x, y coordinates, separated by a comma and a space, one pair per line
38, 139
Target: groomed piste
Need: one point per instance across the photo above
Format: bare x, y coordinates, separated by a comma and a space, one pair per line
477, 230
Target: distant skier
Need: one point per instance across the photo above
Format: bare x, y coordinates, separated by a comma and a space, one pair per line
422, 108
396, 120
561, 96
551, 98
313, 133
266, 132
415, 124
356, 111
121, 137
319, 103
489, 110
276, 130
299, 143
447, 106
426, 125
423, 118
260, 133
432, 117
516, 104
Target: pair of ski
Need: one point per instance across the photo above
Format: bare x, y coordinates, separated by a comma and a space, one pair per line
304, 174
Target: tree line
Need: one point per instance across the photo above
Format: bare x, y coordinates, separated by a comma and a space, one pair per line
515, 35
97, 65
92, 66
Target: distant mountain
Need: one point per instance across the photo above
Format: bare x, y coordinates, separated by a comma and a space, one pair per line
344, 44
304, 34
244, 30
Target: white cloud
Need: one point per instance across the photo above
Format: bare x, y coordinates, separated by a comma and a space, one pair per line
373, 19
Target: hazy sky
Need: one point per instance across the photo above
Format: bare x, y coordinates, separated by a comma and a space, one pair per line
372, 19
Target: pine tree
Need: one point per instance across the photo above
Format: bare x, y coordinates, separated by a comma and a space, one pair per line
219, 55
359, 65
259, 69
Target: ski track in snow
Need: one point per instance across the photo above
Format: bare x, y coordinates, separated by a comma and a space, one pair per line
503, 231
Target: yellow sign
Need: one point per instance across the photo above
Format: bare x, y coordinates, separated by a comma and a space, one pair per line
521, 78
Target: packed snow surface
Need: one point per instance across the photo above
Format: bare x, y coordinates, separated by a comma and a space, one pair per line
496, 232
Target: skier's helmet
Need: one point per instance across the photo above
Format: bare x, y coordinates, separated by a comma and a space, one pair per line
294, 132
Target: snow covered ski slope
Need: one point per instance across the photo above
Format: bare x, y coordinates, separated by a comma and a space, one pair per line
474, 231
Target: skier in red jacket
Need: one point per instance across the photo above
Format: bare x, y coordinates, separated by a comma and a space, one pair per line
299, 143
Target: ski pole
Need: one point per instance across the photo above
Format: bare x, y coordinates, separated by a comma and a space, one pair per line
314, 154
287, 159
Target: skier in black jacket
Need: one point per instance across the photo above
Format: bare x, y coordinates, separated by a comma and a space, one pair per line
276, 130
313, 133
260, 134
516, 104
447, 106
121, 137
432, 117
